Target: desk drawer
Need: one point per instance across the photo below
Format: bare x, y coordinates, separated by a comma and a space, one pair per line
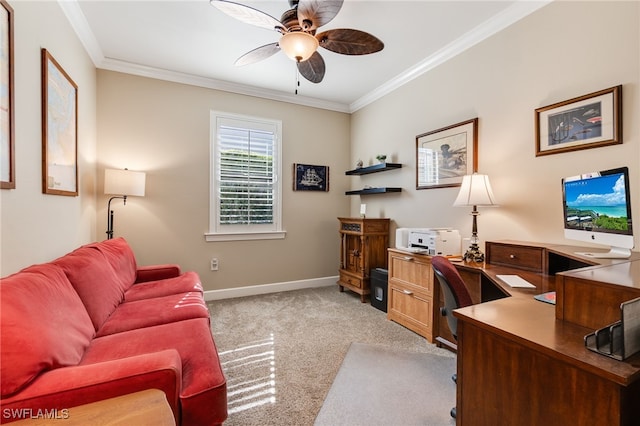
350, 280
412, 309
411, 270
516, 256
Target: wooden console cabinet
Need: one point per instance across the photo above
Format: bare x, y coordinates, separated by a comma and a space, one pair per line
410, 292
363, 246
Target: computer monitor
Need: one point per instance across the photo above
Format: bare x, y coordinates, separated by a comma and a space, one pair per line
597, 209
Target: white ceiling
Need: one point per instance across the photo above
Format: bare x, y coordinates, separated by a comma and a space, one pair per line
192, 42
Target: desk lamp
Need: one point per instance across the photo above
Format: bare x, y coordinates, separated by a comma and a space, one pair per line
475, 191
124, 183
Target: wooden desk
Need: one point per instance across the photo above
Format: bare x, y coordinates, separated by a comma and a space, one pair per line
518, 364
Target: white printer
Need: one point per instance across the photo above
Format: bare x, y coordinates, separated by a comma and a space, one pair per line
431, 241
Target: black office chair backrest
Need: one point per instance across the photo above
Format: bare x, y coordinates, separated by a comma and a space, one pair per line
455, 292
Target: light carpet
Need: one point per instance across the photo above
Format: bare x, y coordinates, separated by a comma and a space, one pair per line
281, 352
378, 385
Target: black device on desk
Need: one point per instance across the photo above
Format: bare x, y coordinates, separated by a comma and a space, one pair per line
620, 339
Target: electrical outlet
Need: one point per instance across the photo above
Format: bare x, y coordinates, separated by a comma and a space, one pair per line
214, 264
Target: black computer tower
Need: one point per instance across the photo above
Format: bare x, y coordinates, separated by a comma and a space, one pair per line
379, 284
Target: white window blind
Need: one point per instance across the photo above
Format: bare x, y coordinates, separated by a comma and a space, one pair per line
245, 175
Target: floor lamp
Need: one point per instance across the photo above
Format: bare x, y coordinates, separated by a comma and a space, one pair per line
123, 183
475, 191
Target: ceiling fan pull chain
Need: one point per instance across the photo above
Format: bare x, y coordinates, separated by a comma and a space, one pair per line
297, 79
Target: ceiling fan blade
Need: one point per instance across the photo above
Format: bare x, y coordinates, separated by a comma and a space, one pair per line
349, 42
258, 54
315, 13
247, 14
313, 68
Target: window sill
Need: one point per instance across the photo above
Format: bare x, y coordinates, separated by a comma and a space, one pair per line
244, 236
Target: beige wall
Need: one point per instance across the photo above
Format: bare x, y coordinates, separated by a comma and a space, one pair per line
564, 50
35, 227
163, 128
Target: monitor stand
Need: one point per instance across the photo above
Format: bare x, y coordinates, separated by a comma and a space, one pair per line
614, 253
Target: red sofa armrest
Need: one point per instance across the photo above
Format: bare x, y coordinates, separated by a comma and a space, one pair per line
157, 272
68, 387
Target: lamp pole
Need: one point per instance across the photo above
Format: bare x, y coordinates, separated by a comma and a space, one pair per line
110, 215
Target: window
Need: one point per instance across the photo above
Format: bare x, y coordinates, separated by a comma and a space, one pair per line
245, 200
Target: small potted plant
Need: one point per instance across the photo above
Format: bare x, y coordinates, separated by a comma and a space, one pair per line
381, 157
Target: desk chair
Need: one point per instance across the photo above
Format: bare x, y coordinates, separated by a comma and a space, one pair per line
455, 294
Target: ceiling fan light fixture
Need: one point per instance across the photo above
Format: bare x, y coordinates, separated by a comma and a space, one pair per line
298, 45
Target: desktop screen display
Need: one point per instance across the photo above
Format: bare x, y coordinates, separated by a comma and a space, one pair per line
598, 202
597, 209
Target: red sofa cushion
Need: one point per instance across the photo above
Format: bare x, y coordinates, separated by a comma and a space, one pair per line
95, 281
157, 272
187, 282
203, 396
156, 311
121, 258
44, 325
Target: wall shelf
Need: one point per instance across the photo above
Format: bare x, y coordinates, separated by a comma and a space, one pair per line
367, 191
373, 169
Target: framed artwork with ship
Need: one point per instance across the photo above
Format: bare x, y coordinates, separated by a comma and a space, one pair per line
307, 177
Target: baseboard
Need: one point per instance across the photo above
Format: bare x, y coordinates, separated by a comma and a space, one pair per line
253, 290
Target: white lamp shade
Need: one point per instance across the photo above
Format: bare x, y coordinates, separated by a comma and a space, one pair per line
475, 191
124, 182
298, 45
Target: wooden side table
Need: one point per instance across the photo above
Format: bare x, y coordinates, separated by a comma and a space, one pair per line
144, 408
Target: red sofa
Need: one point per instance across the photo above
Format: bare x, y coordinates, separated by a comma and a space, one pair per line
92, 325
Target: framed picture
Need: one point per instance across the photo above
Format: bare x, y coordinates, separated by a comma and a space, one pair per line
59, 129
589, 121
307, 177
7, 138
444, 156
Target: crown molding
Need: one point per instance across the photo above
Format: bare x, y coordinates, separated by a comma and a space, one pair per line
225, 86
509, 16
79, 23
499, 22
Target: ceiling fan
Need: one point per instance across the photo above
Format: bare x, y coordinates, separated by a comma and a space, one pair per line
299, 40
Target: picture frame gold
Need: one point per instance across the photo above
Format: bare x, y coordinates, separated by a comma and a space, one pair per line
59, 129
588, 121
7, 109
445, 155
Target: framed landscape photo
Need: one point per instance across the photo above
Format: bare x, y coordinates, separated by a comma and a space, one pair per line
445, 155
588, 121
307, 177
7, 138
59, 129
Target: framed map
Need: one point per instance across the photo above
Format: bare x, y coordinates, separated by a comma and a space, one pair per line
7, 160
59, 129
